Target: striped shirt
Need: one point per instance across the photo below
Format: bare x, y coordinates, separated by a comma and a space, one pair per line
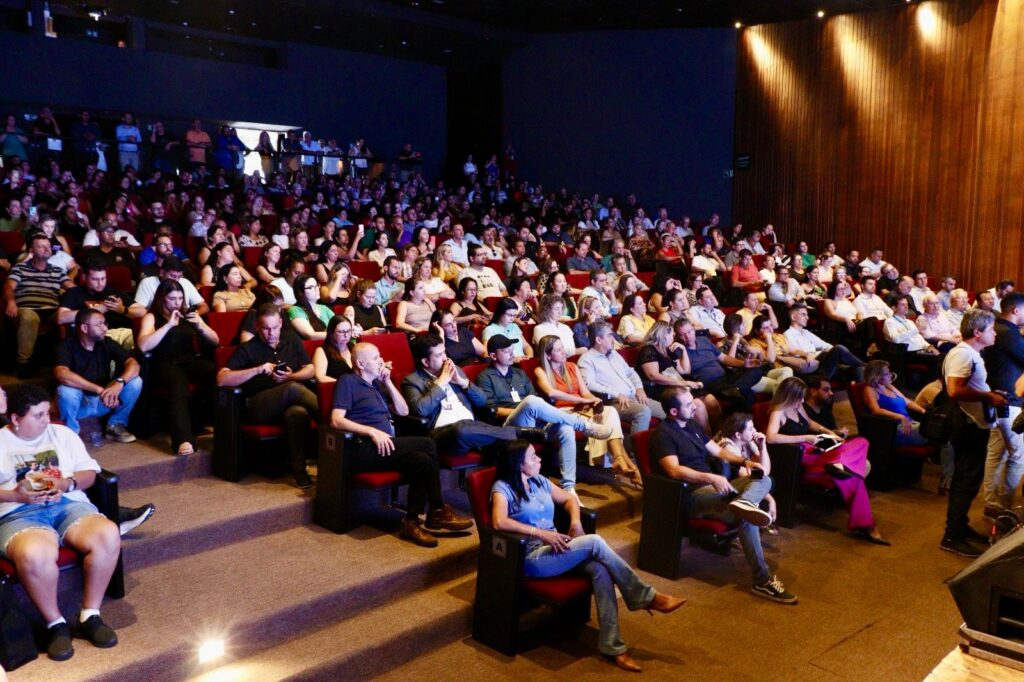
37, 288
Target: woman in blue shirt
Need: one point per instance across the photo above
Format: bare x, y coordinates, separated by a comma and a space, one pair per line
523, 501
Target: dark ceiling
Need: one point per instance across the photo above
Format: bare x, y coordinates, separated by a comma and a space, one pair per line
450, 31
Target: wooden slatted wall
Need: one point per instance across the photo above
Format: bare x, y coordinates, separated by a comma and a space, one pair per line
902, 128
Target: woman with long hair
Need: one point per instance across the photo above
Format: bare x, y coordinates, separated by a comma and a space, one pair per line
328, 262
590, 312
381, 250
735, 345
410, 255
269, 268
444, 266
338, 289
883, 399
676, 304
366, 315
844, 466
230, 293
523, 502
251, 237
222, 254
415, 309
663, 362
549, 318
173, 335
334, 358
308, 317
635, 322
560, 381
434, 286
421, 239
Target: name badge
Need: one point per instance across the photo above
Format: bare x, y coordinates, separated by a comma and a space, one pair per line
515, 396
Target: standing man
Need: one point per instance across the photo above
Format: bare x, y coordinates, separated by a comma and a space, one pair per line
197, 141
128, 137
966, 381
1004, 362
363, 405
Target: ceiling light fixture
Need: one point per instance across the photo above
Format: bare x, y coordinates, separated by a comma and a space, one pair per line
821, 14
211, 649
738, 25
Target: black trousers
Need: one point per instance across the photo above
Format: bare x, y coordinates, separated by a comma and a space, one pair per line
830, 360
175, 377
292, 403
970, 448
414, 457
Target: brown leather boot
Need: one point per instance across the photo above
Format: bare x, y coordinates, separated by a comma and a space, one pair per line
445, 518
412, 532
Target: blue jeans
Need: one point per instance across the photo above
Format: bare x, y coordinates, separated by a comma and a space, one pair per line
534, 409
912, 438
75, 404
708, 503
606, 570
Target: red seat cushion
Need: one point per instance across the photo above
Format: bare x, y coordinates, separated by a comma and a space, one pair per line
376, 479
558, 590
916, 451
707, 526
466, 461
65, 557
262, 431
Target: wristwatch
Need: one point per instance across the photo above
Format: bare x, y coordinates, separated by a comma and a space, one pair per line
120, 380
72, 484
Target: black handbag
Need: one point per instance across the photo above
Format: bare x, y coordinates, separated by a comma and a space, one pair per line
939, 419
17, 646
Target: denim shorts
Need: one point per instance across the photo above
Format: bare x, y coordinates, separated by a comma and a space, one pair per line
58, 518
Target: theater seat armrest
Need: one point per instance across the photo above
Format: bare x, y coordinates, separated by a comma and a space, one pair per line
588, 518
104, 494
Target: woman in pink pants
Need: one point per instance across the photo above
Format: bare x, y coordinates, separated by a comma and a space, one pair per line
844, 467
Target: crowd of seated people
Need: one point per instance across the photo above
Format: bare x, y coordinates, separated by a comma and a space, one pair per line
590, 317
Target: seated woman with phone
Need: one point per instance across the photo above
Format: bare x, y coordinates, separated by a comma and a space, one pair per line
846, 464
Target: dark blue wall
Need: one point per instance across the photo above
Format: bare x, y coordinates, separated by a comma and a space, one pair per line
643, 111
331, 92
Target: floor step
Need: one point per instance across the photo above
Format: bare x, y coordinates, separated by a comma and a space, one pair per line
147, 463
256, 593
375, 642
199, 514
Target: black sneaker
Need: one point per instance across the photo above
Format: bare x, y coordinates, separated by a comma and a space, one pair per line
302, 480
130, 518
960, 547
774, 589
60, 648
750, 512
97, 632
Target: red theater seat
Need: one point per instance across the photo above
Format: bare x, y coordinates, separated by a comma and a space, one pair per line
665, 522
503, 592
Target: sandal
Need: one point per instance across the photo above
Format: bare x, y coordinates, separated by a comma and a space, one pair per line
628, 472
185, 449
